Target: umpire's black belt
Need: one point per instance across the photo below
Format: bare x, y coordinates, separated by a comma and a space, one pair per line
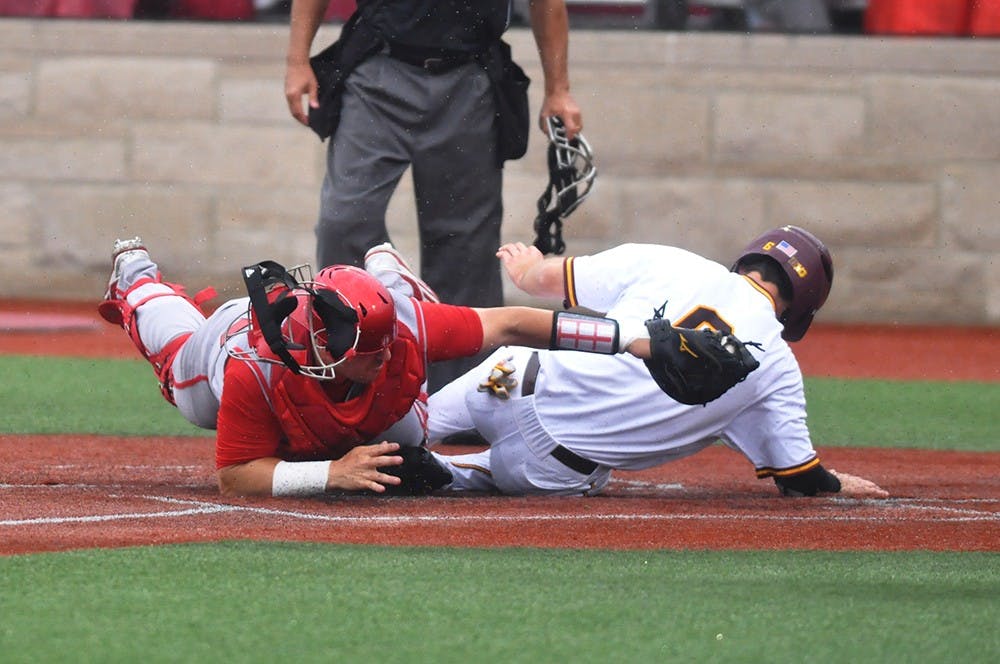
564, 456
434, 60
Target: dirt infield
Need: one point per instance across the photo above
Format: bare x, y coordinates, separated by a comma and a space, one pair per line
75, 492
65, 492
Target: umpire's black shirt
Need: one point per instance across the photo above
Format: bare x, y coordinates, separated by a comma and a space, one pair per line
453, 25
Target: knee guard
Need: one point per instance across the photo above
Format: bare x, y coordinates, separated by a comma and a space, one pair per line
121, 311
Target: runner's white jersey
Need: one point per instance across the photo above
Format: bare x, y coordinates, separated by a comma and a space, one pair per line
629, 422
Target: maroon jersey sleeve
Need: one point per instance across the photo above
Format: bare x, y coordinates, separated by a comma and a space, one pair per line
451, 331
247, 427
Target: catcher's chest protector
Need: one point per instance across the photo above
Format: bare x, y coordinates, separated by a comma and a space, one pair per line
317, 428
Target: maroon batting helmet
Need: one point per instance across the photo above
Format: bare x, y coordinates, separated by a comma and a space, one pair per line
809, 266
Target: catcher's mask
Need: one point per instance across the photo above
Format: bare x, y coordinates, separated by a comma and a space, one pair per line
571, 176
343, 311
809, 266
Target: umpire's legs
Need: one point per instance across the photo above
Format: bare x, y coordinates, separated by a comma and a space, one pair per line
365, 160
458, 187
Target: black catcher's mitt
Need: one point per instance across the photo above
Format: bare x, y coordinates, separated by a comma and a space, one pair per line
420, 471
696, 366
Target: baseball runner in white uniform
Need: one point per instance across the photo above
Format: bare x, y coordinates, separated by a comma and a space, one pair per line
574, 417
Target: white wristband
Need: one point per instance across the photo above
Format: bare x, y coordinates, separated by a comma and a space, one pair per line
300, 478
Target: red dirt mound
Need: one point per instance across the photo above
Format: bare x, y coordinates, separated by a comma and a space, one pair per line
64, 492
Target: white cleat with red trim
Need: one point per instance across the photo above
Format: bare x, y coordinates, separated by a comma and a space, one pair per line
387, 265
124, 251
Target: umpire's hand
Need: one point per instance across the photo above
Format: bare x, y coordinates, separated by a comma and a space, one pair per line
300, 81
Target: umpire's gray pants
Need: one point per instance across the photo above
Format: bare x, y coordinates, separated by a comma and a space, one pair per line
394, 115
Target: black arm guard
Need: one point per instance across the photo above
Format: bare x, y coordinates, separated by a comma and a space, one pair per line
815, 480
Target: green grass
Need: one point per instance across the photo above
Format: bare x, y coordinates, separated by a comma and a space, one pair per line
920, 414
51, 395
120, 397
252, 602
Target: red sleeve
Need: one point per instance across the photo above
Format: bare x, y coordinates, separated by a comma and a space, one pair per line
451, 331
247, 427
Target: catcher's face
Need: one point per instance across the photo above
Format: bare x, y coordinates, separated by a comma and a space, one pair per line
361, 367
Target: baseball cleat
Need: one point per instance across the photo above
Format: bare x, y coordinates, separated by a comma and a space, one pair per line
387, 265
124, 251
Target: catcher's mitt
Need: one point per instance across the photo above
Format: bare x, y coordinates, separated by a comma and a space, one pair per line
696, 366
420, 471
571, 176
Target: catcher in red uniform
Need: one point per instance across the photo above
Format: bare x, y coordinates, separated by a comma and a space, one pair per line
314, 384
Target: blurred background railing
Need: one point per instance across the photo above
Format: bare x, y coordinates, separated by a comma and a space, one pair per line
980, 18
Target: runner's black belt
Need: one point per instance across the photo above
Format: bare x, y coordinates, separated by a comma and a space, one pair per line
434, 60
574, 461
567, 458
530, 375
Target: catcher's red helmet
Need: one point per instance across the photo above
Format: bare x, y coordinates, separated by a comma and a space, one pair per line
374, 310
344, 311
809, 266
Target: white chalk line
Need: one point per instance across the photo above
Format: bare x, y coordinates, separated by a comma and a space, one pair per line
639, 485
49, 520
970, 515
199, 507
157, 467
922, 503
915, 504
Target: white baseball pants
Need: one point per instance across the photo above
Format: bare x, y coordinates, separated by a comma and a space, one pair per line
519, 459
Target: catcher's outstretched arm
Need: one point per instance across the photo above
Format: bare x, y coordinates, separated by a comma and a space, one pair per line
561, 330
545, 277
517, 326
362, 468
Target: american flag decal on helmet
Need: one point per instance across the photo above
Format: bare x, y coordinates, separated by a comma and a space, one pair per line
786, 248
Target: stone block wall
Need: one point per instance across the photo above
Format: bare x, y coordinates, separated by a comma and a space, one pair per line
889, 149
